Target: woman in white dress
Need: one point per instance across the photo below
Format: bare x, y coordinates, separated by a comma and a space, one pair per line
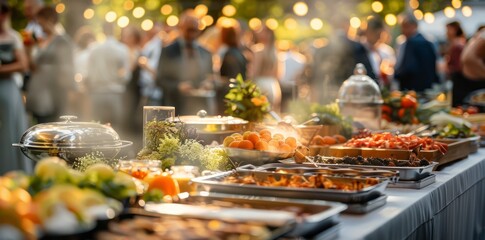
13, 121
264, 67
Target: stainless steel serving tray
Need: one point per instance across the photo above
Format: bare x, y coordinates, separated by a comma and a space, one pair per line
213, 183
313, 216
405, 173
392, 175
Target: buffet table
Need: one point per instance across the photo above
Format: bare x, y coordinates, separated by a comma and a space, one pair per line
451, 208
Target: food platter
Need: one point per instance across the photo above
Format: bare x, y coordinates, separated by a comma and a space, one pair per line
392, 175
136, 223
308, 216
405, 173
458, 149
215, 183
342, 151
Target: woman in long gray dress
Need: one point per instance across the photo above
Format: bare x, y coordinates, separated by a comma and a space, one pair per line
12, 114
53, 71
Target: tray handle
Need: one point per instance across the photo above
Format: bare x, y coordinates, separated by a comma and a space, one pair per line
247, 167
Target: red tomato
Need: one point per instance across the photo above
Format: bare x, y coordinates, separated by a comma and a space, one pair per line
408, 101
472, 110
386, 110
456, 111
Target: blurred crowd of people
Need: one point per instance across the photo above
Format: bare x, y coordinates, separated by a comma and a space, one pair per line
110, 79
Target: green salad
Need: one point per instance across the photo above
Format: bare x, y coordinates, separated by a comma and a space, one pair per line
453, 131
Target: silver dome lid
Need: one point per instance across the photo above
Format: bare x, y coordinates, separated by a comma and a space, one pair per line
69, 134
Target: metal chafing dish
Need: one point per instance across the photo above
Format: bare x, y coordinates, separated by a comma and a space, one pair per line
307, 217
213, 128
214, 183
70, 140
405, 173
392, 175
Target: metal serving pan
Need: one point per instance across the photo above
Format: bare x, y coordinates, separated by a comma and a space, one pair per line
392, 175
312, 216
250, 230
255, 157
405, 173
213, 183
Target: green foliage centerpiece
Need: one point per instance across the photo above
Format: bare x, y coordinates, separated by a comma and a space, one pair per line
244, 100
174, 144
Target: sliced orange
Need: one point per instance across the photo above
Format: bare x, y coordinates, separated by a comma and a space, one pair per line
165, 183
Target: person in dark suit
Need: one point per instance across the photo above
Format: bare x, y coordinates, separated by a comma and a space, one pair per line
416, 60
335, 63
185, 66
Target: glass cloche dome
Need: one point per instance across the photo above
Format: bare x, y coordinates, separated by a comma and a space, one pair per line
360, 97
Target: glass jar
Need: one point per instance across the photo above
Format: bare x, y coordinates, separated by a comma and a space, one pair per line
183, 175
152, 117
140, 168
360, 98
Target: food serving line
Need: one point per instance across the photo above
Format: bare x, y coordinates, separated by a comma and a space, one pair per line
451, 208
277, 181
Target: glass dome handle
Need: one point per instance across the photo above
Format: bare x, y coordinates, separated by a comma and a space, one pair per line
360, 69
68, 118
202, 113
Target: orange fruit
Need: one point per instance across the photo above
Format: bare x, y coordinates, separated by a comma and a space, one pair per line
274, 143
291, 141
261, 145
317, 140
165, 183
266, 136
246, 135
329, 140
228, 141
278, 136
265, 131
234, 144
284, 148
340, 138
236, 135
253, 137
246, 144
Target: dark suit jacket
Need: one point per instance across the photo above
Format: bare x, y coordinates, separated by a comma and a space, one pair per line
171, 69
417, 69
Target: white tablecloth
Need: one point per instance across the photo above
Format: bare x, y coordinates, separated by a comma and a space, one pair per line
451, 208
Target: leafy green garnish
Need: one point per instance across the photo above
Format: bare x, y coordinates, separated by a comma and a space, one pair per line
453, 131
244, 100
